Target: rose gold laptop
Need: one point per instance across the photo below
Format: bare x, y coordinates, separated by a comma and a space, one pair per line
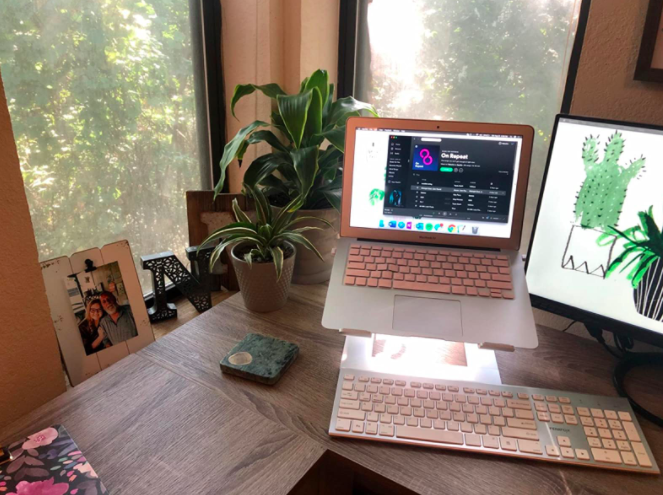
430, 230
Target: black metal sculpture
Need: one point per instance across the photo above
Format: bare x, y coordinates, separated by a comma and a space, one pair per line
196, 289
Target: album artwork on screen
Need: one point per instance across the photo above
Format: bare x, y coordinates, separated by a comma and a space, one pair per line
598, 243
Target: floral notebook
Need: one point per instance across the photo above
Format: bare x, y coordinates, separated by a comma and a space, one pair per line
48, 463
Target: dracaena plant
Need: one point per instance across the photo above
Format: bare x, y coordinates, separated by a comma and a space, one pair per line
301, 170
267, 235
643, 246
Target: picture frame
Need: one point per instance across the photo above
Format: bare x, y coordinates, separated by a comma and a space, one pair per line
649, 66
71, 282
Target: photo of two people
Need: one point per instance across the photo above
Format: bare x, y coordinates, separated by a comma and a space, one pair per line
102, 308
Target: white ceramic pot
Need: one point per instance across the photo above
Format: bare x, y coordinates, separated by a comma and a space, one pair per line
260, 289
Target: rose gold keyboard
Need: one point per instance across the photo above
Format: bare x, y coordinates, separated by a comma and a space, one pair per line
524, 422
462, 273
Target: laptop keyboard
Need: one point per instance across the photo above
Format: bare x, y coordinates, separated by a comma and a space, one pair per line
463, 273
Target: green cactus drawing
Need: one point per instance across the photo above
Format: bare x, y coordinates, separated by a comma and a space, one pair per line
602, 194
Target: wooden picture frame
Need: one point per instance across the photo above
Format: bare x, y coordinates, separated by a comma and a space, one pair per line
79, 365
649, 66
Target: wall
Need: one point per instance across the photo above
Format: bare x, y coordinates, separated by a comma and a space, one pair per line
280, 41
30, 369
604, 85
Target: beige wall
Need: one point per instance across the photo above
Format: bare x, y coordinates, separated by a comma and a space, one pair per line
604, 85
30, 369
280, 41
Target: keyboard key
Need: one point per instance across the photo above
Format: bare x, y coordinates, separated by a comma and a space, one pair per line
563, 441
508, 444
371, 428
521, 423
530, 447
594, 442
582, 454
351, 414
607, 456
629, 459
552, 451
387, 430
641, 454
473, 440
624, 416
431, 435
343, 424
567, 452
357, 426
631, 432
520, 433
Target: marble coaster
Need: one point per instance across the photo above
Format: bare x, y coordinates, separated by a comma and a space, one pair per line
260, 358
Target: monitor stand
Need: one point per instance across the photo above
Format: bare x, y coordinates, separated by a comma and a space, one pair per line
420, 357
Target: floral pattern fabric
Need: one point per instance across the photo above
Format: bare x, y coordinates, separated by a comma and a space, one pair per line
49, 463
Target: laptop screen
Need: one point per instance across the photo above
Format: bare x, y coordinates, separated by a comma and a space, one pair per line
436, 182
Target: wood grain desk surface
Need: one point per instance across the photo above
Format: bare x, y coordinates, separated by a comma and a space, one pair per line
166, 421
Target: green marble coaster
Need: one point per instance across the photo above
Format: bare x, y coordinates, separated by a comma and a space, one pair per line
259, 358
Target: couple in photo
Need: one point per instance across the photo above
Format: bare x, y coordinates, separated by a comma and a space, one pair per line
106, 323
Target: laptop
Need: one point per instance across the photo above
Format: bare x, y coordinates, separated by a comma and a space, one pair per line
431, 222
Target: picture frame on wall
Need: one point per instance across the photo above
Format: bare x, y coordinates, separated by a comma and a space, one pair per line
649, 66
97, 307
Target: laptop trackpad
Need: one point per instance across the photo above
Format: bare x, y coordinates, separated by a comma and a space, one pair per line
425, 317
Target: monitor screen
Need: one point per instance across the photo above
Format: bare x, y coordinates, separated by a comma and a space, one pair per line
597, 244
436, 182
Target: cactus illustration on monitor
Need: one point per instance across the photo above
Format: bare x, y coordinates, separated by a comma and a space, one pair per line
602, 195
599, 205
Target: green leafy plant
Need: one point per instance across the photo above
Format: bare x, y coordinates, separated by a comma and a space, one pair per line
644, 245
298, 171
602, 194
268, 234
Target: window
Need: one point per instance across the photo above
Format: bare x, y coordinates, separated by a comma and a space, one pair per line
102, 96
470, 60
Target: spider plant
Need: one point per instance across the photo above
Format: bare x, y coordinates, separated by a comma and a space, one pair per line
644, 245
298, 168
268, 235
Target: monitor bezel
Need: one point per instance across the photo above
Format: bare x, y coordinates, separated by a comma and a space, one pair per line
512, 242
617, 327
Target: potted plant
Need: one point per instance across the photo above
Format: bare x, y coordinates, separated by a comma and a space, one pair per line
642, 253
302, 170
263, 252
599, 205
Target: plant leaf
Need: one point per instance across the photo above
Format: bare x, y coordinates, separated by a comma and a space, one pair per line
305, 162
241, 90
261, 167
346, 105
314, 119
294, 110
336, 137
277, 256
263, 210
269, 137
249, 259
239, 214
328, 103
334, 198
299, 239
231, 149
315, 219
320, 80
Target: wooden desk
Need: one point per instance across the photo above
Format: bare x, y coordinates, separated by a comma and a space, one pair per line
166, 421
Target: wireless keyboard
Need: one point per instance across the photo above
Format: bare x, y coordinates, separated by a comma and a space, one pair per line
522, 422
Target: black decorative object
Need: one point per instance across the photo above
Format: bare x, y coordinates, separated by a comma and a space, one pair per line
196, 290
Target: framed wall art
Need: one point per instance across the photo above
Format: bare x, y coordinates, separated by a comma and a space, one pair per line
649, 66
